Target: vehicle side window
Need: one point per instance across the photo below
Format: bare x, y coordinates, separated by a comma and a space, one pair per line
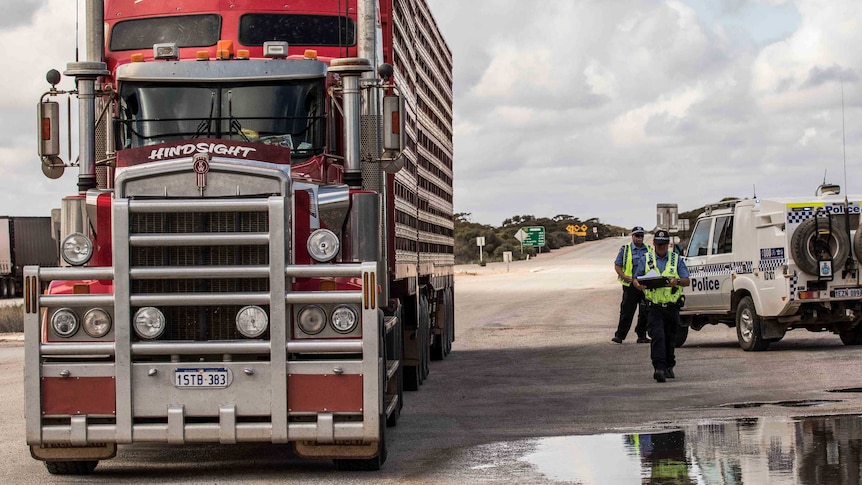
722, 236
699, 244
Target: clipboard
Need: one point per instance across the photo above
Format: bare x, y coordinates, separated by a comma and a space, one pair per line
653, 282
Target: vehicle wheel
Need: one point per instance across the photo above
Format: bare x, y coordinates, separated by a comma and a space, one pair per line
852, 336
438, 345
71, 467
748, 330
857, 243
425, 331
370, 464
4, 289
681, 336
805, 246
450, 305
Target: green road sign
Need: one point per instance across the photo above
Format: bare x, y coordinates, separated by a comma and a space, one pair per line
532, 236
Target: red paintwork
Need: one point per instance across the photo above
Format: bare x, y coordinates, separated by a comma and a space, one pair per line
324, 393
78, 395
102, 252
230, 11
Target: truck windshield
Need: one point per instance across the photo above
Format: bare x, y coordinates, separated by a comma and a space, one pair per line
288, 114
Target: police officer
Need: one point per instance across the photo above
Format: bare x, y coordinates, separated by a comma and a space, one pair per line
662, 303
627, 260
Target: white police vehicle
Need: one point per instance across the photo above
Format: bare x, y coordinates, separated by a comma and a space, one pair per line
766, 266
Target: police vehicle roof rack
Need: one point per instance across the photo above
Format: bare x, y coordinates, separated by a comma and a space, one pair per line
721, 205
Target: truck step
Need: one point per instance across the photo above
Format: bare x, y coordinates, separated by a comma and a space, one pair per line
391, 368
391, 404
389, 322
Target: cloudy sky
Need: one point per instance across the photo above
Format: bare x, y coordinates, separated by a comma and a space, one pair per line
593, 108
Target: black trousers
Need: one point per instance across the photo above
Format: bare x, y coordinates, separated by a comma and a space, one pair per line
662, 323
632, 298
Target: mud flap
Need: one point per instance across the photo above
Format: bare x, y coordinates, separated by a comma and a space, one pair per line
67, 452
310, 449
771, 328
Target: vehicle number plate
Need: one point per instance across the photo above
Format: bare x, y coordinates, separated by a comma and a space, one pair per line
215, 377
847, 293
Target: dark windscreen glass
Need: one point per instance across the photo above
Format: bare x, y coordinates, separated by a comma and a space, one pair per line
186, 31
322, 30
288, 114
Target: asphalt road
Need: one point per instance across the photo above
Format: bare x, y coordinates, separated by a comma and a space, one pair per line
532, 359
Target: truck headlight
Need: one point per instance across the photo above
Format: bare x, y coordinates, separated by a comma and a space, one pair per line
311, 319
149, 323
251, 321
77, 249
323, 245
344, 319
97, 323
64, 322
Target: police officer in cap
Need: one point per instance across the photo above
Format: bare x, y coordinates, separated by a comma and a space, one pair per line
627, 260
667, 274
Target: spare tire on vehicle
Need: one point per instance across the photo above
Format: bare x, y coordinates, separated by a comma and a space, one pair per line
857, 243
807, 247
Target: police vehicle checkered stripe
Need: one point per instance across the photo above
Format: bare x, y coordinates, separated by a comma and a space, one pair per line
738, 267
771, 264
798, 216
794, 281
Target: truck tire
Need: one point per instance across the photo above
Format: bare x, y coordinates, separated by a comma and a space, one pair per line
852, 336
748, 330
71, 467
681, 336
443, 341
804, 252
425, 331
857, 243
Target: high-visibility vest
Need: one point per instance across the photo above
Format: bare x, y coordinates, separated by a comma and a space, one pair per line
628, 264
666, 294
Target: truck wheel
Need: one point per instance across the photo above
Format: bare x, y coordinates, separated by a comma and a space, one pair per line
805, 246
852, 336
425, 331
748, 330
71, 467
681, 335
370, 464
443, 341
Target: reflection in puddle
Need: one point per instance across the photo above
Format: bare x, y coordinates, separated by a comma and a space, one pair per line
815, 450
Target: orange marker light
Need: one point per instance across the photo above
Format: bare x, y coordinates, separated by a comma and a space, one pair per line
137, 57
202, 56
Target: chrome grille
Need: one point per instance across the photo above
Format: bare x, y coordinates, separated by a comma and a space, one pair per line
199, 323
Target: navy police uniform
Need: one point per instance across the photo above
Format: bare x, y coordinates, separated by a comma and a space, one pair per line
663, 303
627, 260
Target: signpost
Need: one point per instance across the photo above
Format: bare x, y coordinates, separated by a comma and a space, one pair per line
531, 236
480, 241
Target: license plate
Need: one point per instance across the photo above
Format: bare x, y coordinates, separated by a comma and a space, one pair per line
847, 293
213, 377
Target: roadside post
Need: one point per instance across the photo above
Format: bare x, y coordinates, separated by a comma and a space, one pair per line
480, 241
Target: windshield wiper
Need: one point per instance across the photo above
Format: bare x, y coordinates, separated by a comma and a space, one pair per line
234, 123
205, 126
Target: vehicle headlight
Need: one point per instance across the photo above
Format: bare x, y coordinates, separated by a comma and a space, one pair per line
149, 323
64, 322
251, 321
311, 319
344, 319
323, 245
97, 323
77, 249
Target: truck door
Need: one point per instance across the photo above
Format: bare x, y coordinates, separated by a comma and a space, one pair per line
697, 296
721, 261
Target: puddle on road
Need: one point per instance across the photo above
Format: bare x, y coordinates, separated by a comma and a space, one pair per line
813, 450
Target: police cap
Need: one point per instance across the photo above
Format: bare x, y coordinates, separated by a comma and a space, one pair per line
661, 237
